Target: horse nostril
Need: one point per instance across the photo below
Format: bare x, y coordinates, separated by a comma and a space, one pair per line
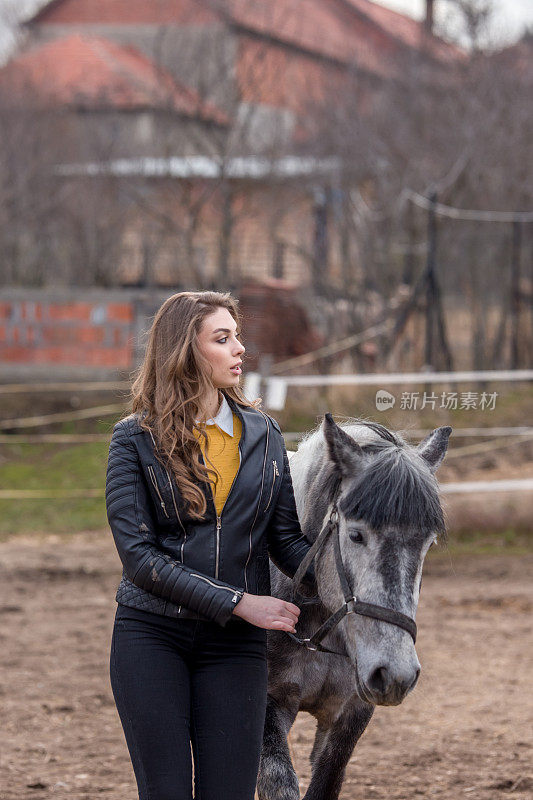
379, 681
413, 684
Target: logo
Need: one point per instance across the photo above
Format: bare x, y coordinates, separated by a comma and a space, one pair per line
384, 400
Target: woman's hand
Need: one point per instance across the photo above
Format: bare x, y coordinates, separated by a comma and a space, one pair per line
267, 612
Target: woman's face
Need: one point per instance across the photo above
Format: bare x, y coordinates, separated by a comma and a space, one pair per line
219, 343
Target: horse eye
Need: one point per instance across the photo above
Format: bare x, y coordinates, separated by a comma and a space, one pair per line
356, 536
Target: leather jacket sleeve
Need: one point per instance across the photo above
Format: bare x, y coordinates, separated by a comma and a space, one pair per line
133, 528
287, 544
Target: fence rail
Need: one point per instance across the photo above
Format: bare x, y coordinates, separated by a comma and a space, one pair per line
375, 379
464, 487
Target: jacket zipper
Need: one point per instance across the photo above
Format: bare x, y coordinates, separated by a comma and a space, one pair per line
175, 509
154, 481
173, 498
275, 474
219, 525
236, 592
219, 516
259, 500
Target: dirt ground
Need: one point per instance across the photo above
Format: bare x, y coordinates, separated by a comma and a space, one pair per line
464, 732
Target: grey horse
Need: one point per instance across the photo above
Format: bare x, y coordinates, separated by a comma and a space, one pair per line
389, 515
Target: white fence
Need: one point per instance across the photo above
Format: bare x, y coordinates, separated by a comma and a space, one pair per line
276, 386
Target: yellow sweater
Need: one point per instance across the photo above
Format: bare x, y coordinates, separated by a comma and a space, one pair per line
223, 452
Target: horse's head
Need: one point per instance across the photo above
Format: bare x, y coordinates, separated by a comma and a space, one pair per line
389, 515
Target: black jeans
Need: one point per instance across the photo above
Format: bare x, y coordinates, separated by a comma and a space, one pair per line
182, 683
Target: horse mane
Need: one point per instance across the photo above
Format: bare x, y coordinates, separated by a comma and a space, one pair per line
395, 487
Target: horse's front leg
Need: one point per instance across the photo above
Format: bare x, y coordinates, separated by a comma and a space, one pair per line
277, 779
329, 763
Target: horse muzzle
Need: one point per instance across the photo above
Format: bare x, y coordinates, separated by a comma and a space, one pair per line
385, 686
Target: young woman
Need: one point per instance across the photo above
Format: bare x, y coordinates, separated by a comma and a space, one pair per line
199, 497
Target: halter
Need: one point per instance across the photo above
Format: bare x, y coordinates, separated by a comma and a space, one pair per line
351, 604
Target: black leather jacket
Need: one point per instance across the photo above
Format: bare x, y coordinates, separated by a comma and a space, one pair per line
182, 567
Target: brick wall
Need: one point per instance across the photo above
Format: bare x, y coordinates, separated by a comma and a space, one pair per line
95, 334
43, 331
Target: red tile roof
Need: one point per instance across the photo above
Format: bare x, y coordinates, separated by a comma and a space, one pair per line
323, 28
345, 30
409, 31
354, 31
127, 12
93, 72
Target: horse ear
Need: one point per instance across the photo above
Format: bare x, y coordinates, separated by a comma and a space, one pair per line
344, 451
433, 447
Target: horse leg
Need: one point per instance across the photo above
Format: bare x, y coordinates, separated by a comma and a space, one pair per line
277, 779
329, 762
320, 735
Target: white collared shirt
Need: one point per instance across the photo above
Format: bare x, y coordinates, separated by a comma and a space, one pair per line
223, 418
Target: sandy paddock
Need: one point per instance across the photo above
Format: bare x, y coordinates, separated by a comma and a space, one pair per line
465, 732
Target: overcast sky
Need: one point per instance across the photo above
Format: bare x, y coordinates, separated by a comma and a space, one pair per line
510, 19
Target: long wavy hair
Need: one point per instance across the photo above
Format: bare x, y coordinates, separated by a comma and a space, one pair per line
167, 387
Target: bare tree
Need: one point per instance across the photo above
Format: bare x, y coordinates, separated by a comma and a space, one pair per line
470, 23
461, 130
